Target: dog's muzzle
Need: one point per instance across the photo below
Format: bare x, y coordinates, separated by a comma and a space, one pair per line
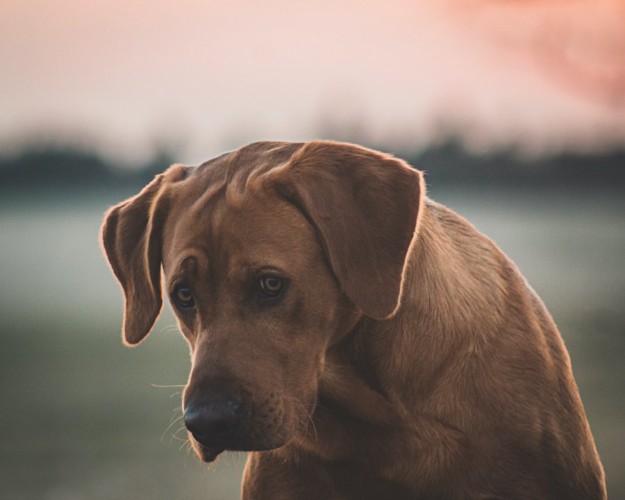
215, 423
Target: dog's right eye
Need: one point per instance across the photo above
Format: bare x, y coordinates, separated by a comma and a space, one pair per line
271, 286
183, 298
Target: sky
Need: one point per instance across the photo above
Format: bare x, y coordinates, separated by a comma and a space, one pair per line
207, 76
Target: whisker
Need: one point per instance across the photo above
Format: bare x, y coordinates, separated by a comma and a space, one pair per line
174, 421
180, 429
177, 437
308, 414
172, 386
171, 328
186, 444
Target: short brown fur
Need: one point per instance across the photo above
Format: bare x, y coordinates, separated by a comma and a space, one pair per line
406, 358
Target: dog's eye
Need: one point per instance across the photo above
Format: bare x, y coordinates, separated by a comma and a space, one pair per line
271, 286
183, 298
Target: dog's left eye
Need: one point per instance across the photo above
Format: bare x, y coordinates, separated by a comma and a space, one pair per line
271, 286
183, 298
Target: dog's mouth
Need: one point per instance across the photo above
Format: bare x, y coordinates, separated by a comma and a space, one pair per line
208, 450
215, 427
207, 454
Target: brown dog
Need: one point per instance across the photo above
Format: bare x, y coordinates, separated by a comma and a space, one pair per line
361, 340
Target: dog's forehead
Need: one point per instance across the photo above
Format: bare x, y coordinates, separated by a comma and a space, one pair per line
232, 175
238, 165
229, 173
256, 217
216, 211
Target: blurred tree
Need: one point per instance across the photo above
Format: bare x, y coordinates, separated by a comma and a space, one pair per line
577, 45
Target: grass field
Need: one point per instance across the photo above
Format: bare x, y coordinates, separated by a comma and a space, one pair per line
85, 418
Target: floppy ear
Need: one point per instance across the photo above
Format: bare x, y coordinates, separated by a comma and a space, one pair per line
365, 208
132, 241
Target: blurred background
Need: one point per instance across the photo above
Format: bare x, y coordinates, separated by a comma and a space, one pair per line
514, 109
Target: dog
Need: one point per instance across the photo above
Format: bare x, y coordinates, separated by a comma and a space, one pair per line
360, 340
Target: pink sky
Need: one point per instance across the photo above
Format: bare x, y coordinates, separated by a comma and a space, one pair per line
212, 75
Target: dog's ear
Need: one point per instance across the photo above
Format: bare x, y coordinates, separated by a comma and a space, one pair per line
132, 241
365, 207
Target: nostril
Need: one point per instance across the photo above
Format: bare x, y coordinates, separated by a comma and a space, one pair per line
233, 406
192, 417
214, 418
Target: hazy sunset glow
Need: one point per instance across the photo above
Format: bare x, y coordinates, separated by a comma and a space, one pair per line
213, 75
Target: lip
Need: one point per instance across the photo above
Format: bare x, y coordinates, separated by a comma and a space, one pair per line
208, 454
207, 450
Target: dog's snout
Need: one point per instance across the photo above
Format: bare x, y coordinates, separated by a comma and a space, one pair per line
213, 420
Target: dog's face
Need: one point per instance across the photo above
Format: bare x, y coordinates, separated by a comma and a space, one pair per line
259, 306
270, 255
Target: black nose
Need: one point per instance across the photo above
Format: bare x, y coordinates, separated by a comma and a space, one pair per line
213, 421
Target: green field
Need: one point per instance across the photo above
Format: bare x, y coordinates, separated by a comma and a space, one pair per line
85, 418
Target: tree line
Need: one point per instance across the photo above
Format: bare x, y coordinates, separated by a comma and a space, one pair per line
54, 166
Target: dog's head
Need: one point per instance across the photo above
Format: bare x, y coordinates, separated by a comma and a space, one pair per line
271, 254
